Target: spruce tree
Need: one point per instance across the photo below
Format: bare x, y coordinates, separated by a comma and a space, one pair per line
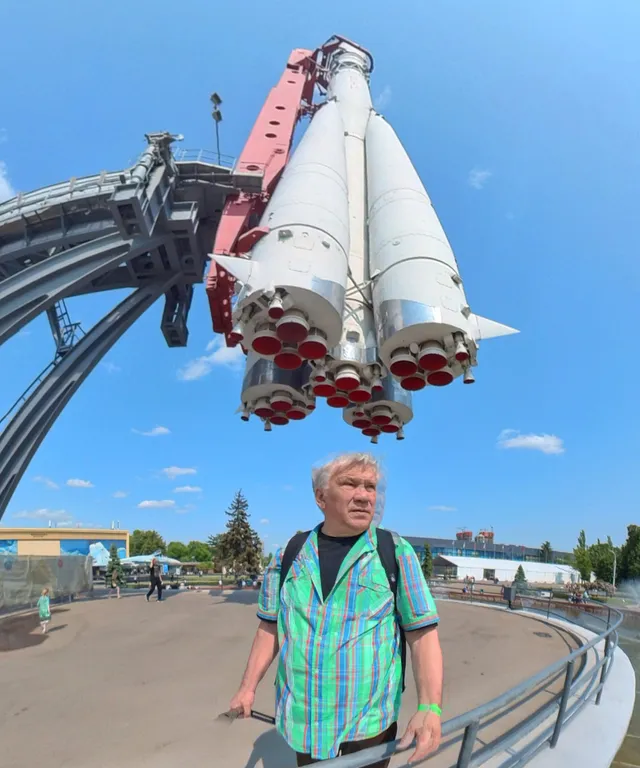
520, 579
427, 561
114, 566
240, 546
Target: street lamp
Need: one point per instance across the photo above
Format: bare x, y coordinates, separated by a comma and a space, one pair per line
217, 119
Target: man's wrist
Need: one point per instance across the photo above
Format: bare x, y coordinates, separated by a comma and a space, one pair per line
430, 708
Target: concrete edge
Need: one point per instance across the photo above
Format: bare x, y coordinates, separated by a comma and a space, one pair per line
594, 736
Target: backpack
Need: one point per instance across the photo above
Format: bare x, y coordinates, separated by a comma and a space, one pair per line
387, 555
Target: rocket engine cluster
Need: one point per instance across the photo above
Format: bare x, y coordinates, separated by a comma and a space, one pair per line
352, 293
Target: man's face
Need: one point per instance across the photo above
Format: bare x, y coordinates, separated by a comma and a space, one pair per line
349, 499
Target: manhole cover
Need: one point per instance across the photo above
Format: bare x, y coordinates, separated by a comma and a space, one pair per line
543, 634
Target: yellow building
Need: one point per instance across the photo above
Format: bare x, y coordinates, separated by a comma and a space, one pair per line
54, 542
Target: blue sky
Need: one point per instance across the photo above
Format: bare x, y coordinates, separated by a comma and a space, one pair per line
523, 121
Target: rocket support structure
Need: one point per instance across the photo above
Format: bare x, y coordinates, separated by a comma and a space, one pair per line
349, 276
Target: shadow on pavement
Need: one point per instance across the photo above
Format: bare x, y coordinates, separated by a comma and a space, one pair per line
240, 596
23, 631
271, 750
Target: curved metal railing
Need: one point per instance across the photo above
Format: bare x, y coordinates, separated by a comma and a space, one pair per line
584, 687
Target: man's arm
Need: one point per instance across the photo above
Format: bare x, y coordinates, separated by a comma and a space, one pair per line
426, 661
263, 652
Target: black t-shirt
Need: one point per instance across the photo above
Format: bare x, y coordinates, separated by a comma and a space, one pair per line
332, 551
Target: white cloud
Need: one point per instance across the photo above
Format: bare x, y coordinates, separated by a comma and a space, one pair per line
46, 481
43, 514
120, 494
188, 489
156, 504
6, 190
173, 472
219, 354
442, 508
155, 432
264, 521
110, 367
478, 177
383, 99
511, 438
74, 482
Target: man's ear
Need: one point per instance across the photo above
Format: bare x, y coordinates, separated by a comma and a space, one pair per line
320, 497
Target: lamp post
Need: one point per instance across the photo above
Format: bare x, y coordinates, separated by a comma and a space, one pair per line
217, 119
615, 563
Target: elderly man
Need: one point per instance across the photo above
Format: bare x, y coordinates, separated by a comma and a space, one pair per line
337, 607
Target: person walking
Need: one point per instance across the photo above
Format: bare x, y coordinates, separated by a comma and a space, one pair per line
44, 610
155, 577
336, 605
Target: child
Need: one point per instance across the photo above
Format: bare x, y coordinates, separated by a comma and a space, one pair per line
44, 610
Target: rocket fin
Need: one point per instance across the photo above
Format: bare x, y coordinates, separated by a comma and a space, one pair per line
241, 269
489, 329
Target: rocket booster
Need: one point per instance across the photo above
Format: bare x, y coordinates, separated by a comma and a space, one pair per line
353, 293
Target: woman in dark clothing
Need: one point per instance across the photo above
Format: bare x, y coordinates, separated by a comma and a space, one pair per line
155, 578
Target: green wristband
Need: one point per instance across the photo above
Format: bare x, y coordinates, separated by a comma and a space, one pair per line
430, 708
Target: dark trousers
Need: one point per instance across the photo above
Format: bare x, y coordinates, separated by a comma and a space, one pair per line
155, 583
349, 747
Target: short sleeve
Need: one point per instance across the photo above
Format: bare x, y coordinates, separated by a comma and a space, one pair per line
269, 597
416, 606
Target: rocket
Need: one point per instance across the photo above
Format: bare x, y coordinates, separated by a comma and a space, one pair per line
351, 293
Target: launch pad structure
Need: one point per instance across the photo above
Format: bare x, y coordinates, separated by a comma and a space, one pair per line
327, 264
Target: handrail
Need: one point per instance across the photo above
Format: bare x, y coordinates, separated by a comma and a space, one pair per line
471, 721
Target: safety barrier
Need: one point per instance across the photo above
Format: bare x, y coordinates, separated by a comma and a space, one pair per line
585, 687
23, 577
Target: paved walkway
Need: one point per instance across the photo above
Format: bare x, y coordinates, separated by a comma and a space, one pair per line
131, 684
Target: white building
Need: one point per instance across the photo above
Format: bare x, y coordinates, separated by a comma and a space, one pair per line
483, 569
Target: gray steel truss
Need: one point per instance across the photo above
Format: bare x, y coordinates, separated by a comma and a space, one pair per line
148, 228
28, 428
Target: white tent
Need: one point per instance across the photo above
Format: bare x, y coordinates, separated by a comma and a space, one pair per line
482, 568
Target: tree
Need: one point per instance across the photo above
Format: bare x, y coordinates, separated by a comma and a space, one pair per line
582, 559
213, 542
198, 551
520, 579
427, 561
114, 566
546, 552
601, 556
146, 543
630, 554
240, 545
178, 551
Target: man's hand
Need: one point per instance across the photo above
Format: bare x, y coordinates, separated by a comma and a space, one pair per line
243, 702
426, 729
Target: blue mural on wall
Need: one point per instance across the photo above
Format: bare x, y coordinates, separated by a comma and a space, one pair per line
97, 548
8, 547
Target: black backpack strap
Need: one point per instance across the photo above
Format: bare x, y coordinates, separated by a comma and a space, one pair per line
291, 551
387, 554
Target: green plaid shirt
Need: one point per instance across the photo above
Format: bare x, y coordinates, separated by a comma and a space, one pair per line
339, 670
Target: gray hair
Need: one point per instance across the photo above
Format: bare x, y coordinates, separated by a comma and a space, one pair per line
321, 473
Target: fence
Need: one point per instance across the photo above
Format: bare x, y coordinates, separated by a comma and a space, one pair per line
23, 577
580, 684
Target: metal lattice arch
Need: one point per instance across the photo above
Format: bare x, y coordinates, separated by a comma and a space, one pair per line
148, 228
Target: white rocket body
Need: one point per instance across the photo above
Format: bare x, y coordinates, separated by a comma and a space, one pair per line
353, 293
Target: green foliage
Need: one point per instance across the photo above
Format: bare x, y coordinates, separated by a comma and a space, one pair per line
630, 554
146, 543
427, 561
198, 551
240, 546
267, 559
546, 552
178, 551
114, 566
602, 556
520, 577
582, 559
213, 542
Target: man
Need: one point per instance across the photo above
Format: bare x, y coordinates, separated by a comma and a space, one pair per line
155, 579
333, 619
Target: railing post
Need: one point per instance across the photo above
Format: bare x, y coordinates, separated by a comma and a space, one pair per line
607, 646
468, 742
549, 604
563, 704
